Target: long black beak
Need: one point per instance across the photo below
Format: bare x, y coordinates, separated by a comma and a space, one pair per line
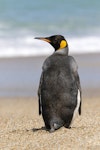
42, 38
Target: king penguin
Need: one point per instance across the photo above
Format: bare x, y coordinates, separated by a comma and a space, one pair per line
59, 91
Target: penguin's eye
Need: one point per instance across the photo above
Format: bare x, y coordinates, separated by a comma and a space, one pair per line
56, 41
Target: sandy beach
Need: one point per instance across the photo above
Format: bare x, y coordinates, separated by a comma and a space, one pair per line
21, 128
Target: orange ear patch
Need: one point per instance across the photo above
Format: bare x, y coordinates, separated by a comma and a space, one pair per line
63, 44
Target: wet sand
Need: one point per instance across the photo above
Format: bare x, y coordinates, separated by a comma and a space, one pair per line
20, 76
21, 127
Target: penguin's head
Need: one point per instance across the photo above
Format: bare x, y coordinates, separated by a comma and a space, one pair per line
57, 41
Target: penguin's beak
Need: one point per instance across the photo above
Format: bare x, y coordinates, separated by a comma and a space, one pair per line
43, 39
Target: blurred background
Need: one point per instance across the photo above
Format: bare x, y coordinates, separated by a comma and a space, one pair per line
21, 56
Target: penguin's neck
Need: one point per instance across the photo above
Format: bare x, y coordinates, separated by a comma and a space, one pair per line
63, 51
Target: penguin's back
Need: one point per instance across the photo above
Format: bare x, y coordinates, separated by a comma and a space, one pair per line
58, 85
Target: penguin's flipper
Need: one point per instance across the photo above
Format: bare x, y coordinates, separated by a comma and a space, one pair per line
79, 88
79, 110
74, 69
39, 95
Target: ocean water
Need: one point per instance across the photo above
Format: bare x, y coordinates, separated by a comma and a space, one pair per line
21, 21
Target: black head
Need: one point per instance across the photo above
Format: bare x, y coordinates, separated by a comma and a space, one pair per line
57, 41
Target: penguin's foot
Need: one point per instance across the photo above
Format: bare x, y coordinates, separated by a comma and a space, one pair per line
54, 127
67, 126
51, 130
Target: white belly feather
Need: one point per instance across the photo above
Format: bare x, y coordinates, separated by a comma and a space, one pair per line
77, 106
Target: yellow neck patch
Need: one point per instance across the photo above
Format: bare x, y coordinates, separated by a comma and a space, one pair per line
63, 44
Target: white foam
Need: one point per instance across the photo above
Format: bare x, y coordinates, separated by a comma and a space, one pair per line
28, 46
84, 44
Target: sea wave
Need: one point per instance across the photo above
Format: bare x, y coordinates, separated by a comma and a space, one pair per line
28, 46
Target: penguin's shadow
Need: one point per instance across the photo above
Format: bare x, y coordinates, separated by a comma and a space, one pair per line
39, 129
44, 128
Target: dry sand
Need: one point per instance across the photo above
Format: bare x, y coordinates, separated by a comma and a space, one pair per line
20, 127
